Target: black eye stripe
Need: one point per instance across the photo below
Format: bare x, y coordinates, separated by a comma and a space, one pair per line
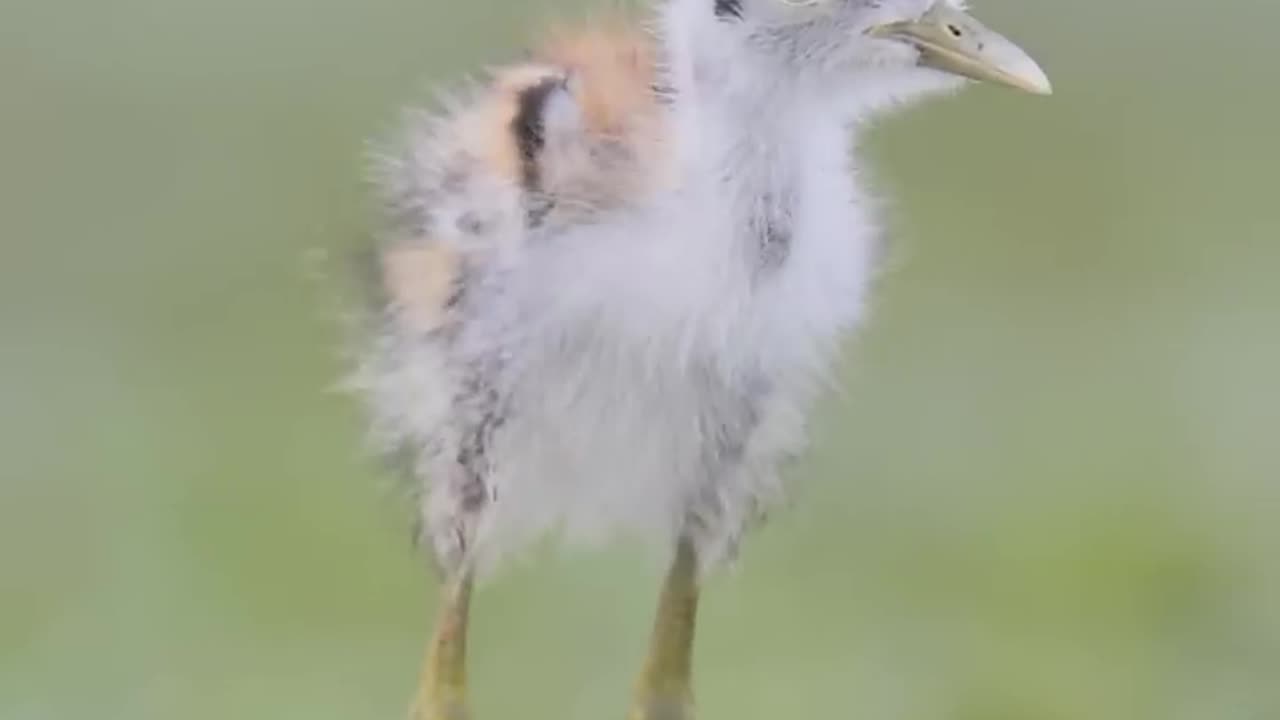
729, 9
529, 129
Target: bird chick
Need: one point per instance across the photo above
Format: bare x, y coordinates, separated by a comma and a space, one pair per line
616, 277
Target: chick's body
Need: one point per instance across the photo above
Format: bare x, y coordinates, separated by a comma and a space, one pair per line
596, 322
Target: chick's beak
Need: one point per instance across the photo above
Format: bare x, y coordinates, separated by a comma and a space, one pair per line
954, 42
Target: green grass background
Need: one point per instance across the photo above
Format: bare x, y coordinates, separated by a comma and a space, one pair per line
1050, 492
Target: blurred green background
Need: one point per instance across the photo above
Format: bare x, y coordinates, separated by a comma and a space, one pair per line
1050, 491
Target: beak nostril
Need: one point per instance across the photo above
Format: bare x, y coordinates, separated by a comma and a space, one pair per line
955, 30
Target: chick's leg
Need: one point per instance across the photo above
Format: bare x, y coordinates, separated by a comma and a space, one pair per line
665, 688
442, 689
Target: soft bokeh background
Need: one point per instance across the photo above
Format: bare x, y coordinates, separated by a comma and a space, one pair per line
1051, 491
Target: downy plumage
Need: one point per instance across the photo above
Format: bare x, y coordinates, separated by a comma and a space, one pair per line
617, 274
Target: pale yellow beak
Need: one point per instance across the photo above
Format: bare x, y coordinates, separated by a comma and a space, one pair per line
954, 42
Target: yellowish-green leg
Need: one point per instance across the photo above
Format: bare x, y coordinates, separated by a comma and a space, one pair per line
442, 689
665, 688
